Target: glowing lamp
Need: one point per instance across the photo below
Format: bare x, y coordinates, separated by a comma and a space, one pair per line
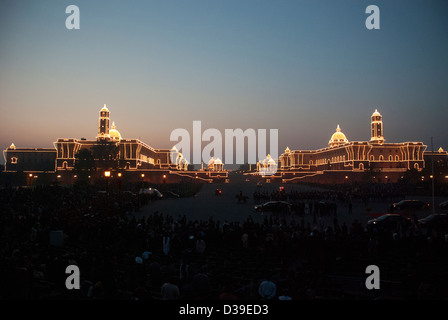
107, 174
119, 174
143, 175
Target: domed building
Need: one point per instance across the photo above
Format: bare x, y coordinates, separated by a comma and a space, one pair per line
132, 154
114, 134
338, 138
268, 166
345, 160
215, 164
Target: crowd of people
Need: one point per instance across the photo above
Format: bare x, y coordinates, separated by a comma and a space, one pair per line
161, 256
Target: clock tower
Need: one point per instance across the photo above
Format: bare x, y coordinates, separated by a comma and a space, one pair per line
103, 125
376, 128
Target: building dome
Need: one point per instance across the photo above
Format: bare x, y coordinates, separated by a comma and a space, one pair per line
376, 113
337, 138
114, 133
104, 109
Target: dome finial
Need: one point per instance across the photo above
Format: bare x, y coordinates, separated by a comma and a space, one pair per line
338, 129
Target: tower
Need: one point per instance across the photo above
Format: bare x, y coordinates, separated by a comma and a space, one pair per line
377, 128
103, 125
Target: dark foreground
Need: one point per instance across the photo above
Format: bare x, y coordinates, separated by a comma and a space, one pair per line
126, 251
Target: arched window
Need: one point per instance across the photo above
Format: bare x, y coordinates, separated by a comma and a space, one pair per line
416, 166
381, 158
361, 166
390, 158
372, 158
397, 158
311, 162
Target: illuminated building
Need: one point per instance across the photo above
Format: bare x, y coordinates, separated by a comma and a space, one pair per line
132, 154
215, 164
29, 159
353, 160
109, 151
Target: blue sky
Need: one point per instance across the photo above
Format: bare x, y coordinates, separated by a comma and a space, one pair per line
302, 67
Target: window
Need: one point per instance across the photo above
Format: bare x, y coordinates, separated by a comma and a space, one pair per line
381, 158
397, 158
390, 158
14, 160
372, 158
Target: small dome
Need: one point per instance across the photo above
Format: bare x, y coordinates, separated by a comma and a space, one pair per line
218, 161
337, 138
376, 114
104, 109
287, 150
114, 133
211, 161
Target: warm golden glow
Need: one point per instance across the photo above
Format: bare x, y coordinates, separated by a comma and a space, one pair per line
143, 175
107, 174
164, 176
119, 174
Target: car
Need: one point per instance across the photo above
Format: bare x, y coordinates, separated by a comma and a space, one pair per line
274, 206
437, 221
170, 194
151, 192
218, 192
389, 221
444, 205
409, 204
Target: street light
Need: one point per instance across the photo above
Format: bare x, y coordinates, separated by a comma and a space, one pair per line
107, 174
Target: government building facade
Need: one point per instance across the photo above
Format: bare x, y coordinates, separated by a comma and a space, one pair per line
348, 161
110, 154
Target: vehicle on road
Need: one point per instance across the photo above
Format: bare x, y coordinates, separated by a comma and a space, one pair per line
435, 221
409, 204
274, 206
170, 194
444, 205
218, 192
151, 192
389, 221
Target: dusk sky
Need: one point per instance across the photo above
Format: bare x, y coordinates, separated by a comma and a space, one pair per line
299, 66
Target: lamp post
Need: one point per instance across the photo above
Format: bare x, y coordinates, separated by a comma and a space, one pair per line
119, 182
107, 176
432, 176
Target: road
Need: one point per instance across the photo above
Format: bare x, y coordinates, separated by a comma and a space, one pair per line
206, 204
